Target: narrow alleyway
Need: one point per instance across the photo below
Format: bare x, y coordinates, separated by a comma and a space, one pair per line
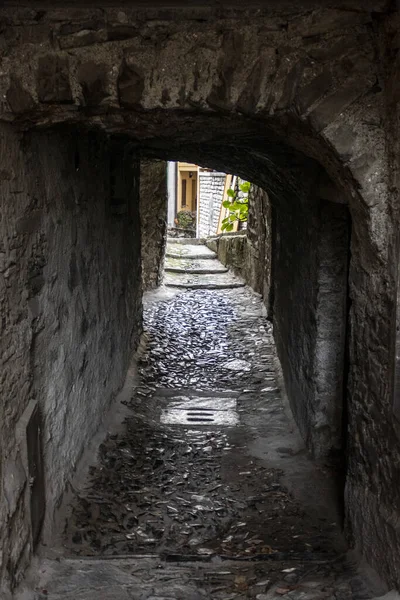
208, 492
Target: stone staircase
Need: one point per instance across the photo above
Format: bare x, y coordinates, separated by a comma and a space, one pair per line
190, 264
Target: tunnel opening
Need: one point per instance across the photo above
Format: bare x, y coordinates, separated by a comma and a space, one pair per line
305, 289
310, 212
309, 242
308, 248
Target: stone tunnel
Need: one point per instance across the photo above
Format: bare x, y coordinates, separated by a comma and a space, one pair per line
300, 98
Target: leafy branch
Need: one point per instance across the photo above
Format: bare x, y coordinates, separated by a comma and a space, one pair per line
238, 206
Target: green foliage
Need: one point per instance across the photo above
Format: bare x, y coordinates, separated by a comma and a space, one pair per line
185, 219
238, 206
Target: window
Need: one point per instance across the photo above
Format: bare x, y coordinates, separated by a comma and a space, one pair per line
183, 193
194, 194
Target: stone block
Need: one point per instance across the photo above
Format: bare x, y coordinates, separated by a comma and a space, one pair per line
73, 27
325, 20
118, 31
291, 83
231, 51
130, 85
251, 93
335, 48
19, 99
330, 107
344, 138
85, 37
53, 85
93, 79
313, 91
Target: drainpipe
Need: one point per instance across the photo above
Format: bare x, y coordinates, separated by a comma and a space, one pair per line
171, 186
198, 205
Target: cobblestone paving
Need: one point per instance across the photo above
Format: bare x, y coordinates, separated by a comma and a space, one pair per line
197, 510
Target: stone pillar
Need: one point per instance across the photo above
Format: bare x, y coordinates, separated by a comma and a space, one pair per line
310, 249
153, 216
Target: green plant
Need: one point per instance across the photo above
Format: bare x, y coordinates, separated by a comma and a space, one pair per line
238, 206
185, 219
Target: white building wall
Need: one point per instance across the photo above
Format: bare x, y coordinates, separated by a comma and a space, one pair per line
211, 193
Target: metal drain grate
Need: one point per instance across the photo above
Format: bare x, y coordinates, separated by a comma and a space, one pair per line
201, 411
200, 415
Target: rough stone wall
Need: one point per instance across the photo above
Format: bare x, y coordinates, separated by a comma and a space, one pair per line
233, 251
310, 258
18, 252
248, 253
211, 191
70, 299
259, 236
153, 218
372, 494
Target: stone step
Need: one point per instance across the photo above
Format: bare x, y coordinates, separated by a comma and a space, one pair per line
206, 282
186, 241
189, 251
193, 265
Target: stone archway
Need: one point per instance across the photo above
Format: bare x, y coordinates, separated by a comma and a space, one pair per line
280, 96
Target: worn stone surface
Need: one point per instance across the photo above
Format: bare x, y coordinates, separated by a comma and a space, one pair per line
203, 281
153, 579
180, 265
69, 284
237, 90
185, 250
207, 351
153, 217
220, 511
184, 268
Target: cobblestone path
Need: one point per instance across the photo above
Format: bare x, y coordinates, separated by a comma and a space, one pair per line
207, 493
